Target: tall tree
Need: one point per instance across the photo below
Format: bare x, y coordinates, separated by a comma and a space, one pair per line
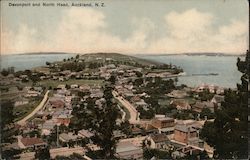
228, 133
100, 120
7, 130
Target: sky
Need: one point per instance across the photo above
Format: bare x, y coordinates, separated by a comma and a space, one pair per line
131, 26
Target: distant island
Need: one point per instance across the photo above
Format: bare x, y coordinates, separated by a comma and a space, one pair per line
143, 54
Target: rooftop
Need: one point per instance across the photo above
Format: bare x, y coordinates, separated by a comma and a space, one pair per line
184, 128
126, 147
85, 133
68, 136
32, 141
159, 137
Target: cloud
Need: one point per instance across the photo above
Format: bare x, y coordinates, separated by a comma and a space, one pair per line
23, 40
193, 31
189, 25
86, 30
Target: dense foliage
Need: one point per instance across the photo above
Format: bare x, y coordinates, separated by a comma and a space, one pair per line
7, 130
100, 120
228, 133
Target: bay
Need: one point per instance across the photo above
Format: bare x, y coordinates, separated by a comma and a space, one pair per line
196, 68
28, 61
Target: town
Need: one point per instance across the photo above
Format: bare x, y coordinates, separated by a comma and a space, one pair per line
62, 108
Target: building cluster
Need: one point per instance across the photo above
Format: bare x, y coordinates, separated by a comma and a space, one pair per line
180, 137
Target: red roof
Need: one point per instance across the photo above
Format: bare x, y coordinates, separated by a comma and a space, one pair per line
31, 141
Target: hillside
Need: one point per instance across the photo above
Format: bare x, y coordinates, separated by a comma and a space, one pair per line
104, 57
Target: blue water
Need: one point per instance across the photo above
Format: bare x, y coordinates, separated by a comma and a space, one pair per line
225, 66
22, 62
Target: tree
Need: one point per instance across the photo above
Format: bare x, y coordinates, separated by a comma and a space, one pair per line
74, 156
138, 74
138, 82
175, 80
42, 154
158, 154
10, 154
112, 79
228, 133
67, 86
7, 118
5, 72
100, 120
206, 95
7, 130
206, 112
77, 56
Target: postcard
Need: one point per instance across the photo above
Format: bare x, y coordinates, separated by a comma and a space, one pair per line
133, 79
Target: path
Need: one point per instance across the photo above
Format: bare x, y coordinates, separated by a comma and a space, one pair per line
123, 113
133, 112
22, 122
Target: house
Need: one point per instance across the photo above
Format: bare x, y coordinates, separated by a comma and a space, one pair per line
63, 92
183, 133
32, 94
47, 127
66, 138
127, 93
160, 121
85, 87
180, 104
105, 75
57, 103
217, 99
38, 89
63, 119
33, 143
142, 104
159, 141
21, 101
177, 94
61, 79
210, 88
152, 75
136, 131
74, 86
96, 93
186, 150
118, 134
110, 66
61, 86
127, 150
150, 129
85, 133
199, 106
135, 99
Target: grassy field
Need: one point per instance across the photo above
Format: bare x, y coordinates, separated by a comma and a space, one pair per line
117, 57
55, 83
26, 109
11, 95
